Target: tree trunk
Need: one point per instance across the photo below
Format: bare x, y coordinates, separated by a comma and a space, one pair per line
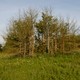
48, 40
25, 46
63, 44
31, 46
20, 48
55, 44
43, 40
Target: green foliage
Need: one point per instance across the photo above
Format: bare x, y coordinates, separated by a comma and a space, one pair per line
26, 35
43, 67
21, 34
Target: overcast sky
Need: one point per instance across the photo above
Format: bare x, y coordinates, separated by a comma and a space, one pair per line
10, 8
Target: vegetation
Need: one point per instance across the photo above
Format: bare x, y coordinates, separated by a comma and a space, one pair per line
40, 49
43, 67
27, 35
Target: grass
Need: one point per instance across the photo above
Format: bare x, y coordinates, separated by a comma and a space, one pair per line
43, 67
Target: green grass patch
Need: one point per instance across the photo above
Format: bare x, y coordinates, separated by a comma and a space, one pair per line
43, 67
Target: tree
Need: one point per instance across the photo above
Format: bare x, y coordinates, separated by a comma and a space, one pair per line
27, 36
44, 29
21, 33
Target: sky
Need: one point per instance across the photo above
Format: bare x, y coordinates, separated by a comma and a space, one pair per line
11, 8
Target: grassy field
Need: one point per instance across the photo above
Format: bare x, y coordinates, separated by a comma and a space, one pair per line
44, 67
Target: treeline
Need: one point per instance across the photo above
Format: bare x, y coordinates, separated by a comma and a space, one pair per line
29, 35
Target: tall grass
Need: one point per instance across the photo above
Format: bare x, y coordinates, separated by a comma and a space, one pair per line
43, 67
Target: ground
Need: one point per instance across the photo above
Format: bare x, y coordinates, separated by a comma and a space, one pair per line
42, 67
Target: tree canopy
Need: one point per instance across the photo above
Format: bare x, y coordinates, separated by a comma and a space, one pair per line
28, 36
